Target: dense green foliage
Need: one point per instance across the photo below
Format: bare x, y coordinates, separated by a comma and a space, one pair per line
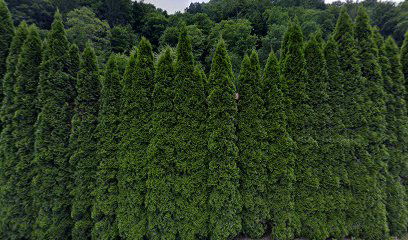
52, 180
83, 144
251, 138
134, 130
396, 116
311, 146
106, 189
224, 199
190, 144
7, 147
6, 35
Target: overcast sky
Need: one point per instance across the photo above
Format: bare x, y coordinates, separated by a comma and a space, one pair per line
179, 5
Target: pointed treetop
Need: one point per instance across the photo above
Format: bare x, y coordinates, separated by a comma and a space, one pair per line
363, 27
221, 66
57, 38
344, 26
164, 67
271, 72
245, 74
6, 35
185, 61
256, 66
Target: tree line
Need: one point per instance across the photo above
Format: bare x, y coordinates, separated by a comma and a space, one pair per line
313, 144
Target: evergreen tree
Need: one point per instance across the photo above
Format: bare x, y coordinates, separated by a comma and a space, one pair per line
404, 61
298, 114
52, 171
83, 143
135, 124
251, 140
6, 35
224, 199
394, 84
7, 142
26, 111
355, 106
371, 71
278, 152
189, 143
106, 191
160, 198
336, 204
319, 227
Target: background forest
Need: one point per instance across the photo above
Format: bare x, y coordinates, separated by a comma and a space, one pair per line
235, 119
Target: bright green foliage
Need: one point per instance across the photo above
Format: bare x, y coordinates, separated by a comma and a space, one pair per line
404, 61
51, 166
362, 186
298, 114
278, 152
224, 199
6, 35
7, 142
251, 141
134, 129
83, 144
106, 190
26, 111
397, 144
336, 202
160, 200
316, 87
190, 144
371, 71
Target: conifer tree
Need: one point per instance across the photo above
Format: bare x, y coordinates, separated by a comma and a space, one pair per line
7, 142
355, 105
336, 204
83, 143
224, 199
135, 124
52, 171
160, 200
26, 111
190, 138
251, 140
106, 190
404, 61
316, 87
298, 114
371, 71
6, 35
278, 152
394, 84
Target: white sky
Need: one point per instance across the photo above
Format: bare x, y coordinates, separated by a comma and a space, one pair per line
179, 5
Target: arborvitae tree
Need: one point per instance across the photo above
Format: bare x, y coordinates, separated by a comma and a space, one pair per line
298, 114
224, 199
106, 190
7, 143
278, 152
83, 144
251, 139
397, 127
135, 124
404, 61
26, 111
51, 163
336, 204
160, 200
355, 105
189, 143
6, 35
318, 227
371, 71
